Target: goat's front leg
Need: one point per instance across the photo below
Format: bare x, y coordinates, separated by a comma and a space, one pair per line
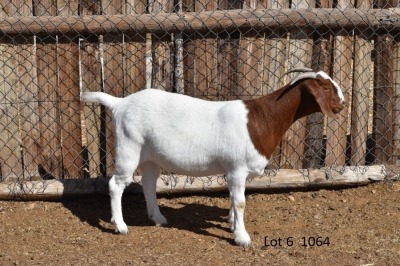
236, 185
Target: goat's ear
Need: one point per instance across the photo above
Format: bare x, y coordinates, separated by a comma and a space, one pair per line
321, 97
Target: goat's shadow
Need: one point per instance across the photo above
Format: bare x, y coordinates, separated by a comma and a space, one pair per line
193, 217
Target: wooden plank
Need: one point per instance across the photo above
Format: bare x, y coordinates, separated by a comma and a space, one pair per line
70, 108
49, 144
251, 51
91, 79
275, 62
285, 178
360, 94
205, 83
162, 50
28, 94
383, 93
135, 45
383, 99
300, 55
396, 108
112, 53
10, 136
321, 60
342, 74
189, 46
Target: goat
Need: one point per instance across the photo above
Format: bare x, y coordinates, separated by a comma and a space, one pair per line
190, 136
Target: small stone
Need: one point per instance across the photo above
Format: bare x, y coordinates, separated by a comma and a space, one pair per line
291, 198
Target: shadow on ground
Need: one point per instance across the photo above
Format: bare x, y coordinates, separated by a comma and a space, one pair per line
196, 218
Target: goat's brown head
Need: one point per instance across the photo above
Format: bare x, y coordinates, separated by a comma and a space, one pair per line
325, 91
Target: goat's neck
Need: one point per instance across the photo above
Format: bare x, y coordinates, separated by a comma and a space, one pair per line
271, 116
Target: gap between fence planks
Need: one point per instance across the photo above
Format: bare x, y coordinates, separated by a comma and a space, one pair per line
218, 21
279, 179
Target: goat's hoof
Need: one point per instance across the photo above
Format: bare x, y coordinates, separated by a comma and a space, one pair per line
242, 239
160, 221
122, 229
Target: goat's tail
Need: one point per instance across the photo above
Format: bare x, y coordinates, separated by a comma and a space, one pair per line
102, 98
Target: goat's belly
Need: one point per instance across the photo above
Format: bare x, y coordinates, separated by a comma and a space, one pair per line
191, 168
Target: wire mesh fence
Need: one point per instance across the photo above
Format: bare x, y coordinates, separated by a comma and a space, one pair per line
51, 51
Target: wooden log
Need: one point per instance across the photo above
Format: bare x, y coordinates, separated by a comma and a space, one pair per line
219, 21
361, 94
299, 55
70, 107
279, 179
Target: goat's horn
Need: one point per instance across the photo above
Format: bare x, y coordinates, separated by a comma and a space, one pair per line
302, 69
307, 75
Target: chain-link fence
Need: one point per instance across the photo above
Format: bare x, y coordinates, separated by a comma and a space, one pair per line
218, 50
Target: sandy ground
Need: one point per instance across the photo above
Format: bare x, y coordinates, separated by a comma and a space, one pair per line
353, 226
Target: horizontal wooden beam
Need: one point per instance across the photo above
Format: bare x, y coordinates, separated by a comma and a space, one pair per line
278, 179
215, 21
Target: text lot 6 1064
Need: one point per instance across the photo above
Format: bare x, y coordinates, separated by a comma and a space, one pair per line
304, 241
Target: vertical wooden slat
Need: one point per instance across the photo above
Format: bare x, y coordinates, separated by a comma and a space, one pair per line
396, 108
361, 93
300, 54
337, 128
135, 73
27, 92
70, 113
227, 49
321, 60
49, 145
91, 79
383, 99
189, 45
162, 50
10, 137
178, 54
251, 50
275, 62
113, 68
203, 61
383, 93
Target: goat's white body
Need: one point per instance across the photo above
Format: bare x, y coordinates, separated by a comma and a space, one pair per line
183, 135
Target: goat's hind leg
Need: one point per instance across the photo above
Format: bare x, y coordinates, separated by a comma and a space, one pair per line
151, 172
125, 166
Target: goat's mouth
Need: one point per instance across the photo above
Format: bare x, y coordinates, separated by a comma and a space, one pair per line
338, 109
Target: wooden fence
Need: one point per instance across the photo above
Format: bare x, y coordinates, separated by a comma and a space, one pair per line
50, 51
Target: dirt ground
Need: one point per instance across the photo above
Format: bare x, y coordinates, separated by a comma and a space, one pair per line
353, 226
